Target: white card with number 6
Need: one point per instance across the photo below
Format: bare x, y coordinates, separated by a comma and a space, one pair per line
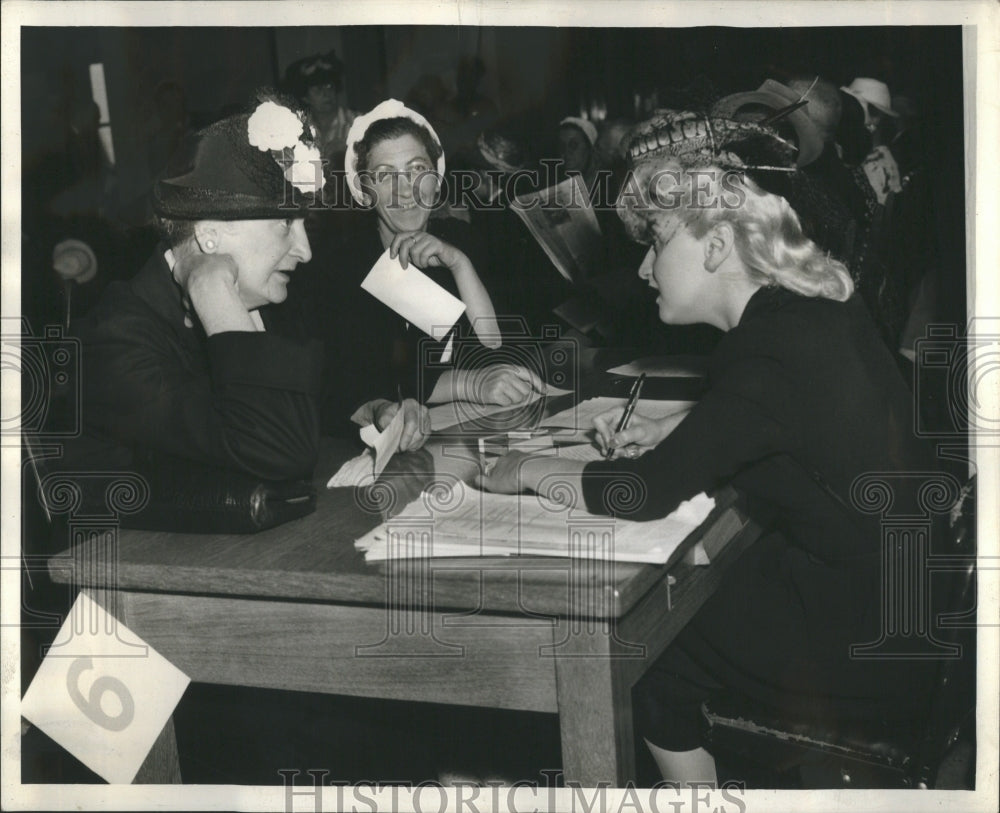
102, 693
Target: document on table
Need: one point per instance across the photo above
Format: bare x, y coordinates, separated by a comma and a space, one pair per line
663, 367
468, 522
451, 413
413, 295
582, 415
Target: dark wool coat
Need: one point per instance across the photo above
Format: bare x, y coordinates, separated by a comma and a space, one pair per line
151, 384
802, 399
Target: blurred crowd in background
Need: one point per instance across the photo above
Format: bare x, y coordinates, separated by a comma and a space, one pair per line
105, 111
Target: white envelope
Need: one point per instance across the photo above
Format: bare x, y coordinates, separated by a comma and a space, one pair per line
413, 295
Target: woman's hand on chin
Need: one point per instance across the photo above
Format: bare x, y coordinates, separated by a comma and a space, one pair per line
194, 270
210, 287
423, 250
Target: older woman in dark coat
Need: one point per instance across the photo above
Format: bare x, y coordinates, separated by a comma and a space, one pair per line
181, 361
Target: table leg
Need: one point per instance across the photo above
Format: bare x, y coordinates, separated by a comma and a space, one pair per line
595, 720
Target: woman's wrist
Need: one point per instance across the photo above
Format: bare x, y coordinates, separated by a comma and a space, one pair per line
549, 477
461, 265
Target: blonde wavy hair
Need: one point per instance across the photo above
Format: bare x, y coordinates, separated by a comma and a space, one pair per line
768, 233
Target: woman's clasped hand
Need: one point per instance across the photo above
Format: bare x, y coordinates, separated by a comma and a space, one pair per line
503, 384
424, 249
382, 411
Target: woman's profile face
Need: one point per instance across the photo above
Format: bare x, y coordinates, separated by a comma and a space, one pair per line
402, 180
265, 252
674, 266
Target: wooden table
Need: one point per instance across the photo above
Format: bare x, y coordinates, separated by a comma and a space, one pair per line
297, 608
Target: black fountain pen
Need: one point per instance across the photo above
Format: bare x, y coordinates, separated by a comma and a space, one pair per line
633, 399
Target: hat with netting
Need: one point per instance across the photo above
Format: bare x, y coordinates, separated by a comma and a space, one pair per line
245, 167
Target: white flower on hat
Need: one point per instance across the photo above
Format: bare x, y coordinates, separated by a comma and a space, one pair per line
305, 168
273, 127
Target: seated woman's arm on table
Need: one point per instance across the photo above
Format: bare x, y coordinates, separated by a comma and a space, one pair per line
740, 420
503, 384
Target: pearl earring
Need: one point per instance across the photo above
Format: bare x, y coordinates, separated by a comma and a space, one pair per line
210, 244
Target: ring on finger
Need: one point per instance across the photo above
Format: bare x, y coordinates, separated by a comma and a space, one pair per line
633, 451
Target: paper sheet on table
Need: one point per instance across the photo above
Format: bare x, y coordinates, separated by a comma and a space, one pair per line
584, 452
662, 367
478, 523
413, 295
451, 413
356, 472
364, 469
583, 414
386, 442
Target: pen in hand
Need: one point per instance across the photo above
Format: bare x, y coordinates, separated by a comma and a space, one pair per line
633, 399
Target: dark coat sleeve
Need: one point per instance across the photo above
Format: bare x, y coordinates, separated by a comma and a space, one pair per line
241, 400
744, 417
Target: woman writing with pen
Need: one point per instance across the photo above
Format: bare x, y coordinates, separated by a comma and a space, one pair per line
802, 398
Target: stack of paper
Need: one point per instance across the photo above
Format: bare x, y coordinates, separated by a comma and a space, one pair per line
468, 522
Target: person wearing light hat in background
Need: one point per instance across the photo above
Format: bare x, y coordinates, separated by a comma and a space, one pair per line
874, 98
181, 361
577, 138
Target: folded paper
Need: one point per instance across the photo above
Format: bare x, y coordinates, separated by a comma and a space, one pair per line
413, 295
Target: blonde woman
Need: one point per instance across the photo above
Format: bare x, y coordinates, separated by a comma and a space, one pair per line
802, 398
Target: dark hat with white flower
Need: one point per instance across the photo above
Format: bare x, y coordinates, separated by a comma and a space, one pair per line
246, 167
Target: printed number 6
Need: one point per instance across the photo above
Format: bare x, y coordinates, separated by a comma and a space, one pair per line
91, 706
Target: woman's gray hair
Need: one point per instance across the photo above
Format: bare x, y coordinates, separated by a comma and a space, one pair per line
174, 232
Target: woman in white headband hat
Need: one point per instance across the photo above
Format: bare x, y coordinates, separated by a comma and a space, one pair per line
394, 166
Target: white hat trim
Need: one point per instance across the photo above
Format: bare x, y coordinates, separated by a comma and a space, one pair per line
389, 109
